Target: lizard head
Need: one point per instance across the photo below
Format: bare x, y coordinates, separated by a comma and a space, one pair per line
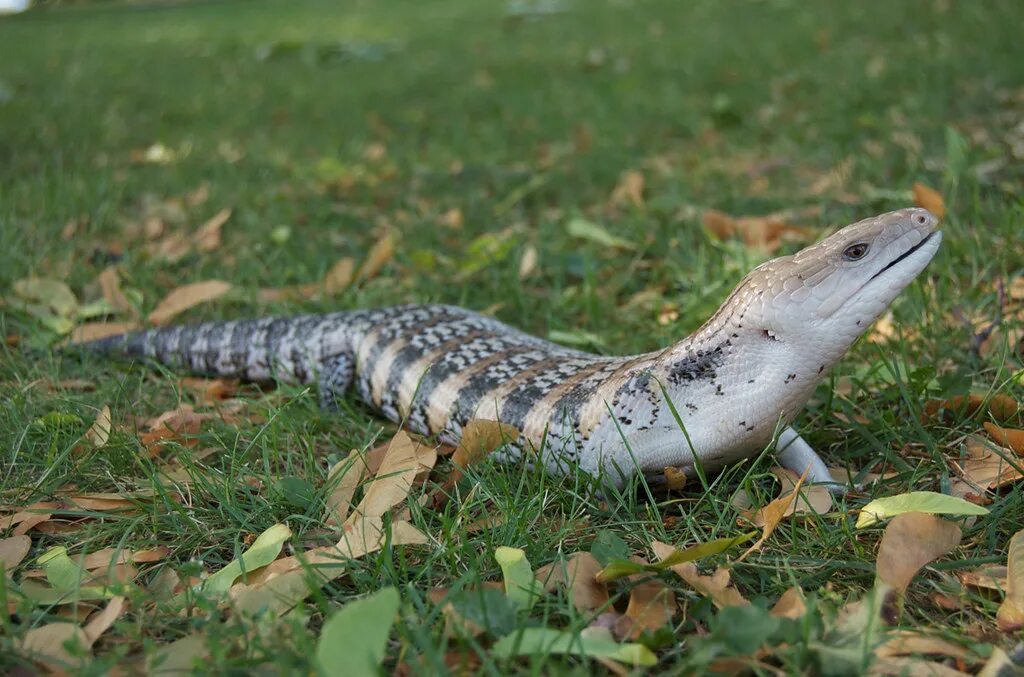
831, 292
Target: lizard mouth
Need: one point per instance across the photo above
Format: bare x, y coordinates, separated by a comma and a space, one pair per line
904, 255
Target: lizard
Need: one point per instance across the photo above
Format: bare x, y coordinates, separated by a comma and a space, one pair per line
726, 392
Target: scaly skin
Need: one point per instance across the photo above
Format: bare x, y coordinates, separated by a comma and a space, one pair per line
735, 383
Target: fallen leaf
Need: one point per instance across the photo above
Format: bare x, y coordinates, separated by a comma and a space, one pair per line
340, 276
930, 199
345, 477
1010, 616
987, 577
583, 229
762, 232
1001, 407
1007, 437
618, 568
911, 667
55, 295
12, 550
102, 621
716, 587
354, 639
528, 262
452, 218
99, 432
908, 642
262, 552
209, 390
651, 605
773, 513
915, 501
110, 284
393, 482
912, 540
188, 296
93, 331
791, 605
548, 641
630, 189
46, 644
520, 584
381, 252
579, 575
184, 656
179, 425
987, 466
479, 438
208, 236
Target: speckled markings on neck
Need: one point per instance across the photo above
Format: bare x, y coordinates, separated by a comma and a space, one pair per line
734, 383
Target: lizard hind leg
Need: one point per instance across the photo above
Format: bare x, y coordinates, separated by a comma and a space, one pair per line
337, 373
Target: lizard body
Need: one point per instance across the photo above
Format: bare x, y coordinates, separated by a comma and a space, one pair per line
735, 382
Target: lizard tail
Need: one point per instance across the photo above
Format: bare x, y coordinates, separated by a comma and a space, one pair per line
288, 349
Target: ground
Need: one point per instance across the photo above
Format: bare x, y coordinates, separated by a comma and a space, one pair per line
472, 136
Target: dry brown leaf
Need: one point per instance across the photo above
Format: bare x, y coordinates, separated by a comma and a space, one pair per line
346, 476
790, 605
178, 425
210, 390
1010, 617
100, 502
814, 499
883, 330
46, 644
1007, 437
110, 284
911, 667
772, 514
93, 331
379, 254
528, 262
578, 576
188, 296
907, 642
651, 605
452, 218
911, 541
763, 232
1001, 407
340, 276
12, 550
988, 577
630, 189
716, 586
393, 482
479, 438
930, 199
99, 432
101, 621
293, 293
986, 467
28, 521
208, 236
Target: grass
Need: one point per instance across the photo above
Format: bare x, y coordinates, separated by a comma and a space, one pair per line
520, 122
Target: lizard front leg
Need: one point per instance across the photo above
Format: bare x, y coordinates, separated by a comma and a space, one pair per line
797, 455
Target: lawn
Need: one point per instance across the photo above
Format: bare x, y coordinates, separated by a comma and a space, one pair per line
554, 163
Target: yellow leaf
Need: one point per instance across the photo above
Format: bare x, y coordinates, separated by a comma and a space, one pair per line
630, 189
651, 605
716, 587
479, 438
393, 482
183, 298
772, 514
110, 284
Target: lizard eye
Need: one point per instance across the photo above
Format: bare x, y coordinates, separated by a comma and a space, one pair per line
855, 251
